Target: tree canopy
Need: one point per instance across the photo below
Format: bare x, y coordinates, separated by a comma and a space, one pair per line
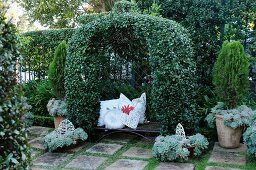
62, 13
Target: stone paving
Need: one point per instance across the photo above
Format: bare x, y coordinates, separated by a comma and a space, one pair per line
104, 148
138, 153
50, 159
219, 168
127, 164
88, 156
36, 143
86, 162
38, 130
228, 156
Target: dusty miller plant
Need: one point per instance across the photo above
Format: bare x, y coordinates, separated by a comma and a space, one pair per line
57, 107
237, 117
175, 147
64, 135
249, 137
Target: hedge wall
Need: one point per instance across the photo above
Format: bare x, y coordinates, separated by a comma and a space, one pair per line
39, 51
14, 148
170, 55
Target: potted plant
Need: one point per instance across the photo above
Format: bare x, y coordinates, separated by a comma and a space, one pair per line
230, 78
58, 107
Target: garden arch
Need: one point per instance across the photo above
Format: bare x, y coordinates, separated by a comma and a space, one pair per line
170, 57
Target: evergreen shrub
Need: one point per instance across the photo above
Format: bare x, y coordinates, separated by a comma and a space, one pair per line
38, 93
230, 74
56, 70
85, 19
14, 147
171, 60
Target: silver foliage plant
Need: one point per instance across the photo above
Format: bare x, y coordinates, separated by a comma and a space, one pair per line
57, 107
64, 135
249, 137
240, 116
175, 147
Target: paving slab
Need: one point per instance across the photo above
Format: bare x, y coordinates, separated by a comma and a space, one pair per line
228, 156
36, 143
86, 162
175, 166
50, 159
137, 152
104, 148
38, 168
119, 138
241, 148
38, 130
127, 164
75, 148
219, 168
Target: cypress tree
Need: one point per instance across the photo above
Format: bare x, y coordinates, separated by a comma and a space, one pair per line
230, 75
56, 70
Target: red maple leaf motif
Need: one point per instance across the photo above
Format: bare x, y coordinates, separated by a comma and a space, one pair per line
127, 109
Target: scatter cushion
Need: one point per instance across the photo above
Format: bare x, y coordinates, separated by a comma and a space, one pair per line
131, 120
106, 106
123, 101
112, 119
140, 107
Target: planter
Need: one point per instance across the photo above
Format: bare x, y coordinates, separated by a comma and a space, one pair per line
57, 120
228, 137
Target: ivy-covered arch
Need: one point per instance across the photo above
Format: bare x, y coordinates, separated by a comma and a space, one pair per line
170, 56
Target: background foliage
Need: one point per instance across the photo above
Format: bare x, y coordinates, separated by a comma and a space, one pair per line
39, 51
209, 23
62, 13
56, 14
170, 55
38, 93
14, 150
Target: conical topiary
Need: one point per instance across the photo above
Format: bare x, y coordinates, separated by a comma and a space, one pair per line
230, 75
56, 70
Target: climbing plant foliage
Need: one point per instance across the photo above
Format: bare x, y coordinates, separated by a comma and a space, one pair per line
170, 54
14, 148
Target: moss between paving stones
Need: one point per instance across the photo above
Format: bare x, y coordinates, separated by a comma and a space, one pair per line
200, 163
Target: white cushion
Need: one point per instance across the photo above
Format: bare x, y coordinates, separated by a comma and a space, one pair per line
140, 107
131, 120
105, 106
123, 101
112, 119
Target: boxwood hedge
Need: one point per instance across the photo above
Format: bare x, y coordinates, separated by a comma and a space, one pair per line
170, 56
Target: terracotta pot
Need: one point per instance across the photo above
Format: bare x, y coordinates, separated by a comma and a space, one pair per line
57, 120
228, 137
